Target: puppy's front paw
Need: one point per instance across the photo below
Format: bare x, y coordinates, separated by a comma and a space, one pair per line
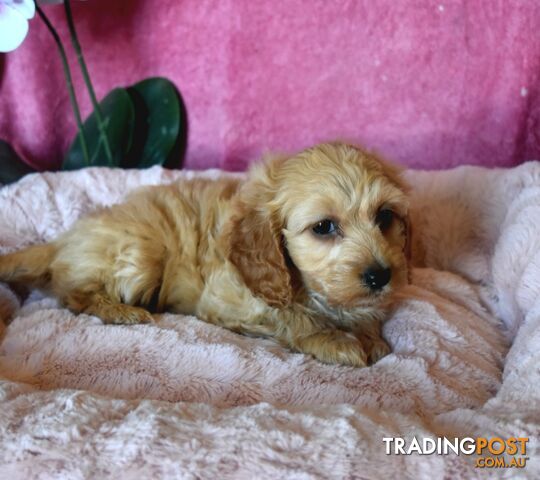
379, 349
127, 315
349, 351
334, 346
120, 314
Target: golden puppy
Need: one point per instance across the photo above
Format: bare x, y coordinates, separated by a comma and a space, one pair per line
308, 250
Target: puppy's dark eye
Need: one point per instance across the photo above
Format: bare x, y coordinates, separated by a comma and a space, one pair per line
325, 227
384, 219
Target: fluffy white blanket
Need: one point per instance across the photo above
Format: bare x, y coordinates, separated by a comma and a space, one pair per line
184, 399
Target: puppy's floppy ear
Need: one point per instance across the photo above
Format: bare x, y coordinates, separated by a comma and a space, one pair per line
407, 250
408, 237
255, 243
395, 174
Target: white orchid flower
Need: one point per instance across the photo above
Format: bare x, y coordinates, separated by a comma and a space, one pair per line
14, 16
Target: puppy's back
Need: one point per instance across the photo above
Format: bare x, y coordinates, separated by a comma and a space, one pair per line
151, 249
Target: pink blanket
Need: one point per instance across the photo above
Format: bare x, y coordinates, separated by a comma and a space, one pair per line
186, 399
430, 83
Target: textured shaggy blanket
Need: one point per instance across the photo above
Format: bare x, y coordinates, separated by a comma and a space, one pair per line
185, 399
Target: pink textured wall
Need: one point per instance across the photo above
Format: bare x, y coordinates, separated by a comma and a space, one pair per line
429, 83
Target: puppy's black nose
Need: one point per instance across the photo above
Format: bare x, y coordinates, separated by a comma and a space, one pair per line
376, 277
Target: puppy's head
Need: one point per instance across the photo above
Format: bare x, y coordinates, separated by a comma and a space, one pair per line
331, 221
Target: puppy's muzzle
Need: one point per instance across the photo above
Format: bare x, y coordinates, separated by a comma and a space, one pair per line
376, 277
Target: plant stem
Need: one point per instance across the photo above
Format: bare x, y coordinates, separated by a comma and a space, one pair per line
69, 81
86, 76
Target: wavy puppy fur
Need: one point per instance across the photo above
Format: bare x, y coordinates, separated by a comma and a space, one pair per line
308, 250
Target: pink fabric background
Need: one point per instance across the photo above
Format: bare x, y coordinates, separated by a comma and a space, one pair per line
430, 84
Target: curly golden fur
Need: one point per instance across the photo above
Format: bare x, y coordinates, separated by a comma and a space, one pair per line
289, 253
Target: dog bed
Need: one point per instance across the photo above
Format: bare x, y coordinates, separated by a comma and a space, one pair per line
185, 399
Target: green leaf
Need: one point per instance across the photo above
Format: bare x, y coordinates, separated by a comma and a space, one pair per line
119, 118
161, 135
11, 165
